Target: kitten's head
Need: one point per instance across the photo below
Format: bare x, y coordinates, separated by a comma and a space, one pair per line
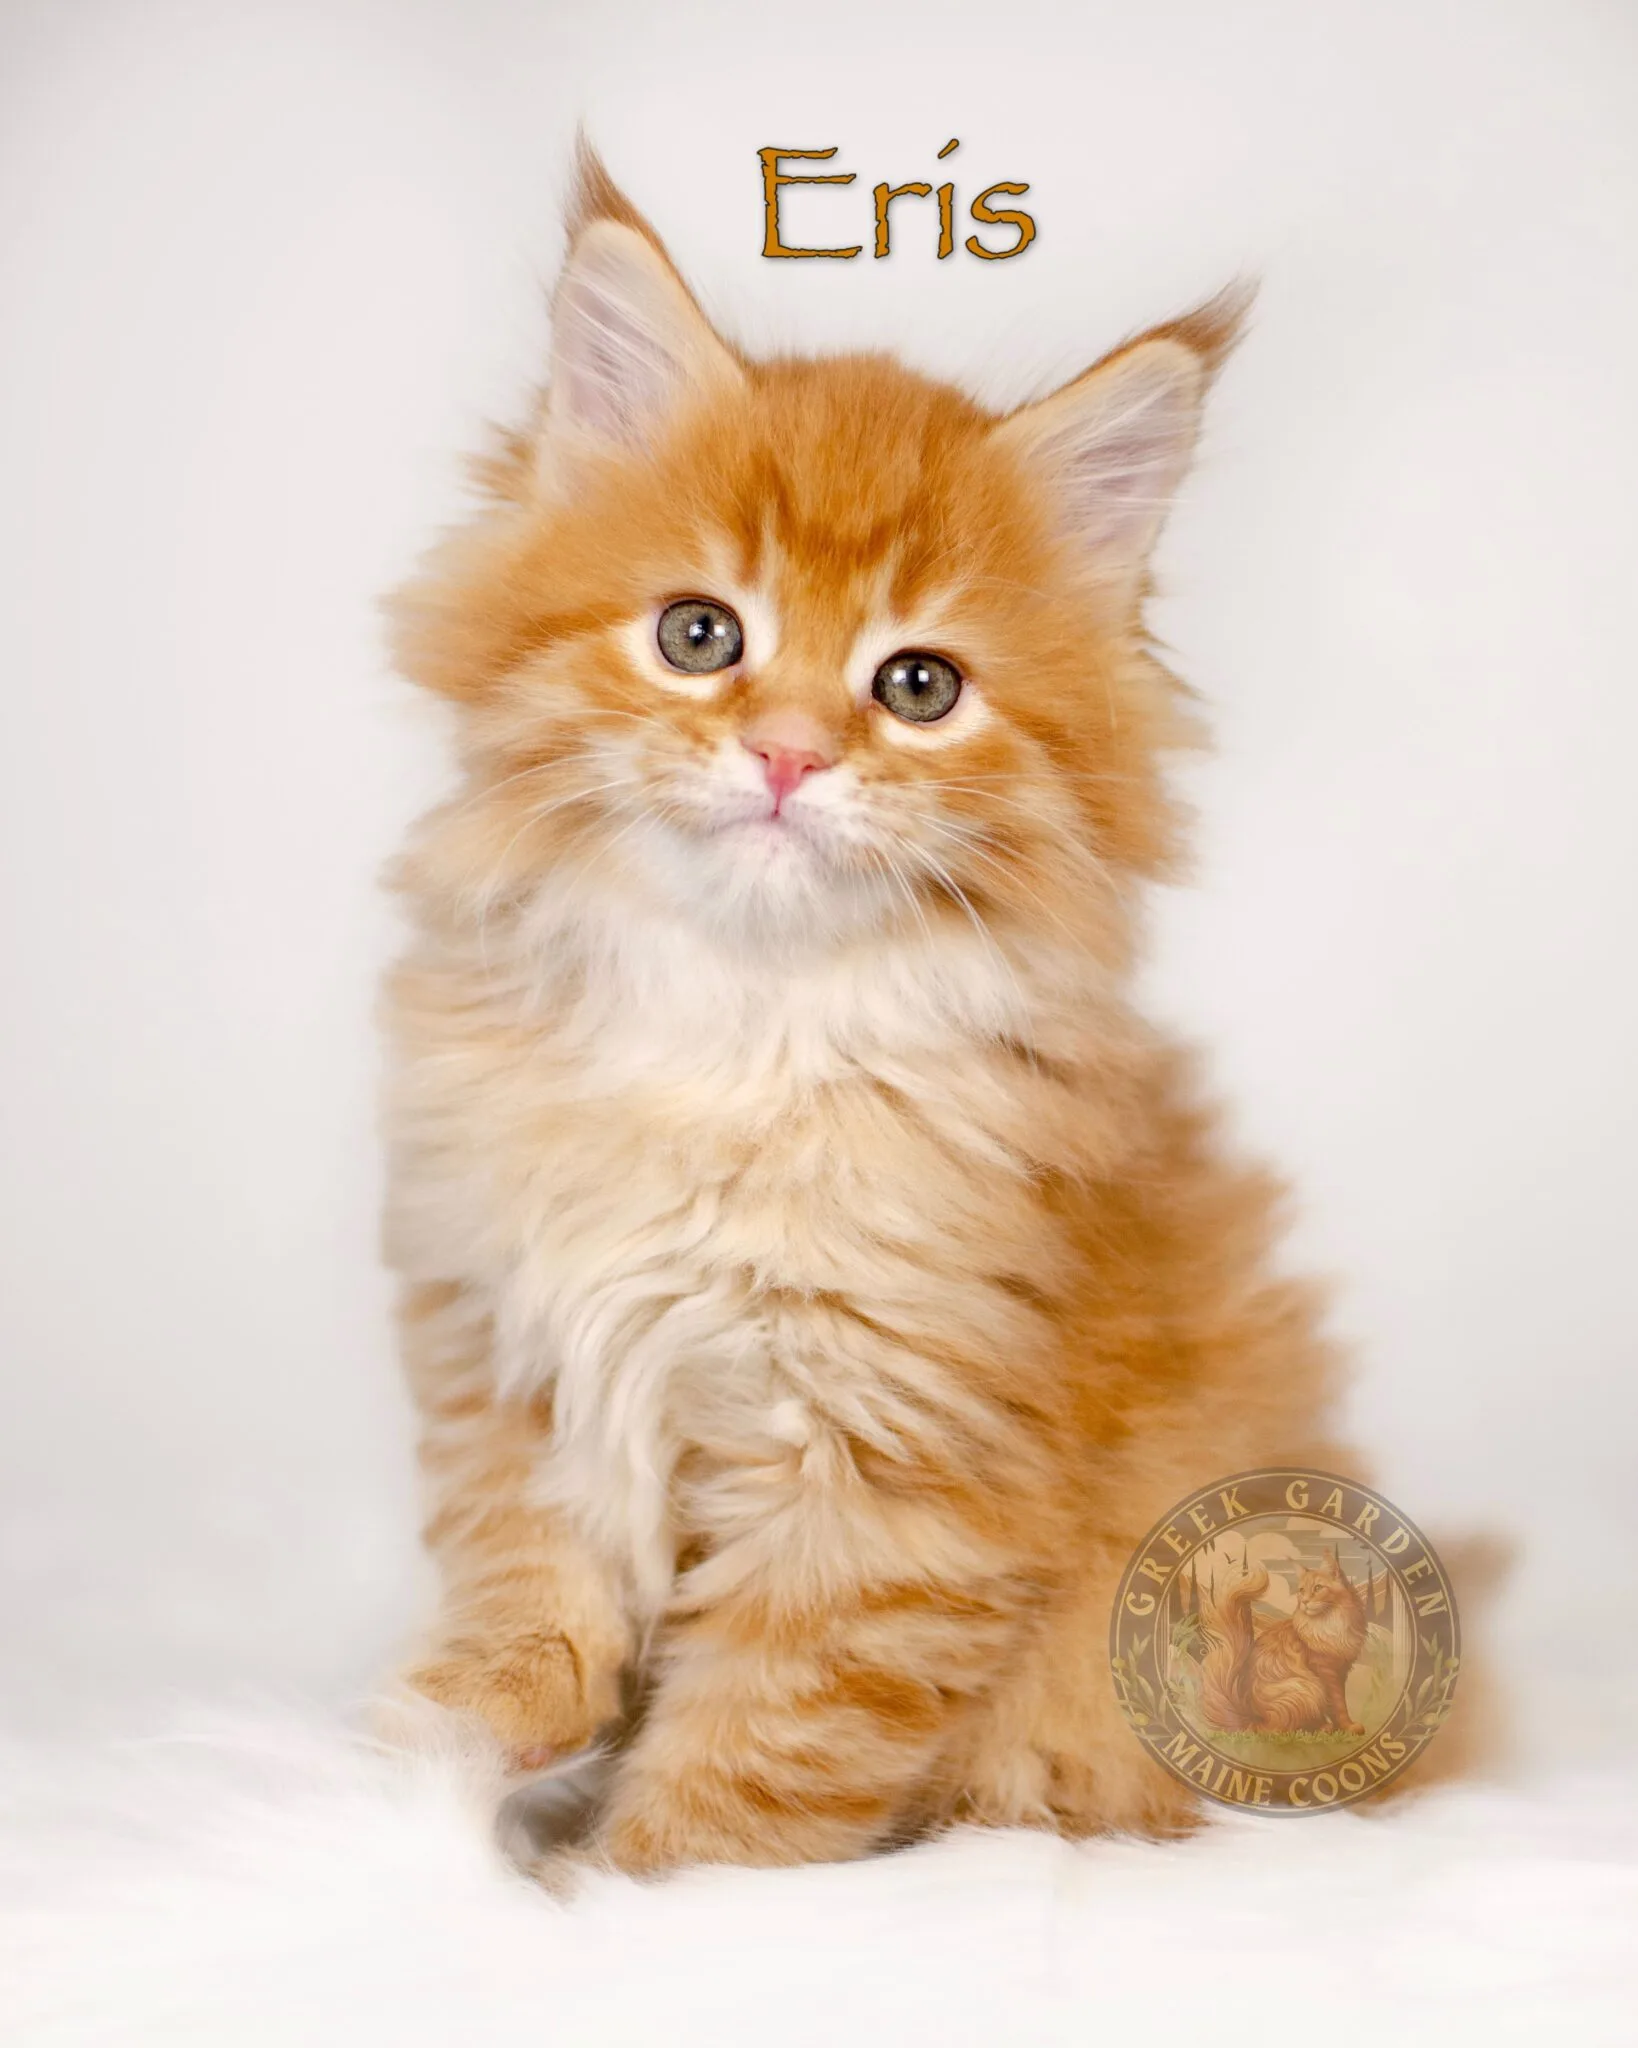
799, 650
1328, 1587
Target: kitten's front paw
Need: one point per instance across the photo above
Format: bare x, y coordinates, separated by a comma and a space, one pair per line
528, 1690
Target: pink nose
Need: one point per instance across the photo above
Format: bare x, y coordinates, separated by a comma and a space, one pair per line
789, 748
785, 767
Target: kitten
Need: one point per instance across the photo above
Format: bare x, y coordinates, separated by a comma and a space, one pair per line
817, 1275
1291, 1676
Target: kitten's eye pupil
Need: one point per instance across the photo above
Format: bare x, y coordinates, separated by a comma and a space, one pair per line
917, 687
699, 636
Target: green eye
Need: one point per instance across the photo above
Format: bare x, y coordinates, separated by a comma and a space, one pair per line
698, 636
915, 686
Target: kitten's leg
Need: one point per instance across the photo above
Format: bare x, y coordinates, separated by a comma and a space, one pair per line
1050, 1747
807, 1741
812, 1673
533, 1635
1336, 1704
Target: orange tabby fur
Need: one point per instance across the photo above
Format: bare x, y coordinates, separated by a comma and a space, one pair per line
817, 1275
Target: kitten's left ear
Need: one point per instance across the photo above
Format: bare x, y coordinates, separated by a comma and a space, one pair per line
630, 346
1112, 447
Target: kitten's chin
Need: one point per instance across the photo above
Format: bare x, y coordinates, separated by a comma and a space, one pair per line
761, 881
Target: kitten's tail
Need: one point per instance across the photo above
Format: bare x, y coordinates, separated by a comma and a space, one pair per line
1225, 1673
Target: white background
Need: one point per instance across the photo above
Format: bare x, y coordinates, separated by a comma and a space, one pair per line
267, 263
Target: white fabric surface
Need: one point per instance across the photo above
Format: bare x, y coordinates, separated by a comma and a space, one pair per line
267, 1883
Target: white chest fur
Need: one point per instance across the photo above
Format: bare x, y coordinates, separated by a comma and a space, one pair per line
652, 1161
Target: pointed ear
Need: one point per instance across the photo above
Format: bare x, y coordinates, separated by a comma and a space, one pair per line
1111, 448
629, 344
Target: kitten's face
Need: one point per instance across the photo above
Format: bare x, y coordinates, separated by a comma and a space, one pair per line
800, 651
813, 674
1319, 1591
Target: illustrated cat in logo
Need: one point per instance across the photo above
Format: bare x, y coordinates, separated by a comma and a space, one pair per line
1285, 1677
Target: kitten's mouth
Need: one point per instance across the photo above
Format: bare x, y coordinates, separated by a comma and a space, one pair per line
767, 828
758, 843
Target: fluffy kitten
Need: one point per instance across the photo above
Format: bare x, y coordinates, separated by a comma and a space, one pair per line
817, 1277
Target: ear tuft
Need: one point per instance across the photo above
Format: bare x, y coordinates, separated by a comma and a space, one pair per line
1112, 446
594, 196
1216, 329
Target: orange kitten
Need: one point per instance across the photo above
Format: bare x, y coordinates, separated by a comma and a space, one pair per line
817, 1276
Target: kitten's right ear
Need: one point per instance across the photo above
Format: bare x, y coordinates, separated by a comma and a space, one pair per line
1111, 446
630, 346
